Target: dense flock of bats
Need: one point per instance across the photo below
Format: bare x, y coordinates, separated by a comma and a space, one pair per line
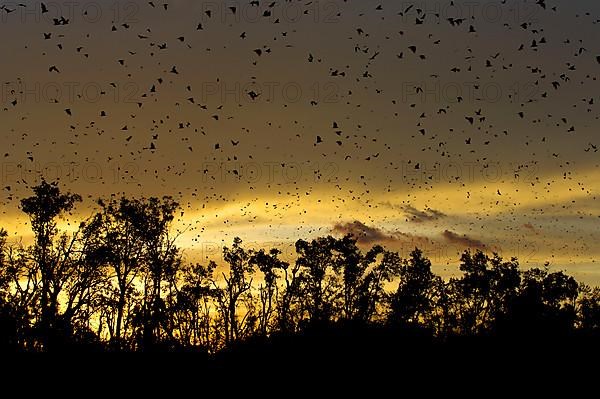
201, 129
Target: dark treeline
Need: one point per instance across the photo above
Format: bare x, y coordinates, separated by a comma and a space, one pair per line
119, 284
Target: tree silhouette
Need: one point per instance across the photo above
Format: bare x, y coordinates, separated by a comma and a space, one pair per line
269, 264
352, 265
52, 259
118, 281
371, 293
290, 296
413, 301
193, 306
546, 302
152, 218
589, 309
238, 283
8, 322
317, 262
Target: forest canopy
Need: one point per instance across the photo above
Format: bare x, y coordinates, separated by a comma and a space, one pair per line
120, 283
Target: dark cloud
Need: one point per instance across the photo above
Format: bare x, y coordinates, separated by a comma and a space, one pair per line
416, 216
464, 240
364, 233
372, 235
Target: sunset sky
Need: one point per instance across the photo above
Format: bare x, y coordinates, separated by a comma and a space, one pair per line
408, 123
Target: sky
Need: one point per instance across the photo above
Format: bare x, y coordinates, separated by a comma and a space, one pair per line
438, 124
